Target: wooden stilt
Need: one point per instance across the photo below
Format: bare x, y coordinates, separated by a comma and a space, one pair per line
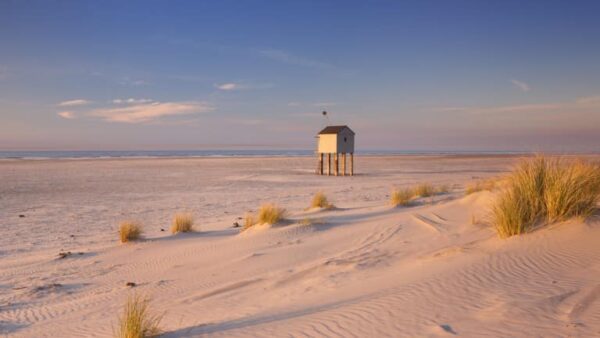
343, 164
336, 159
351, 164
320, 168
329, 164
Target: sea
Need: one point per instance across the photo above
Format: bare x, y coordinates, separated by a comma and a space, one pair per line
82, 154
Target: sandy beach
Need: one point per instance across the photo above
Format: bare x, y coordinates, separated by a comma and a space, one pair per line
363, 269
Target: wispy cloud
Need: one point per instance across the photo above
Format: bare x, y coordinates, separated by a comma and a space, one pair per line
524, 87
588, 103
150, 112
131, 101
325, 104
76, 102
285, 57
231, 86
127, 81
66, 115
228, 86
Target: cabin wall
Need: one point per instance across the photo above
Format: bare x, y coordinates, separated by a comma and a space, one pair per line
345, 142
327, 143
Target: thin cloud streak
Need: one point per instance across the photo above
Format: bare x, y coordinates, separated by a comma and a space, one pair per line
66, 115
75, 102
131, 101
580, 104
150, 112
524, 87
228, 86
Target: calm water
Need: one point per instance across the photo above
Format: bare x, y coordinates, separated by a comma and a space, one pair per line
213, 153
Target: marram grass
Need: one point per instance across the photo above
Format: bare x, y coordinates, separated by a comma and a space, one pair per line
136, 320
319, 200
424, 190
268, 213
542, 190
401, 197
182, 222
129, 231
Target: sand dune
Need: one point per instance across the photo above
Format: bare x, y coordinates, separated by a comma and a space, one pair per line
363, 269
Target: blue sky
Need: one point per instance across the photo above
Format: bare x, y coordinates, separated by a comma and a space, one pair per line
410, 75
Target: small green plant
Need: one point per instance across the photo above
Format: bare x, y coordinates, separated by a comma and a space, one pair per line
129, 231
182, 222
137, 321
401, 197
320, 201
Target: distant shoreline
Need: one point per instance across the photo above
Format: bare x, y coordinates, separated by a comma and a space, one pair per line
150, 154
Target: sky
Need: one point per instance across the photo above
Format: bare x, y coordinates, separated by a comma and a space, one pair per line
404, 75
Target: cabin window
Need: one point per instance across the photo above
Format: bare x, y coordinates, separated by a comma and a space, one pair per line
345, 139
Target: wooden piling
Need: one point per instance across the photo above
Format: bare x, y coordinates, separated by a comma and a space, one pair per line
351, 164
336, 159
320, 168
343, 164
328, 164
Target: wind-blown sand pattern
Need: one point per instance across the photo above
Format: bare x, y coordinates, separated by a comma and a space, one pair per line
364, 269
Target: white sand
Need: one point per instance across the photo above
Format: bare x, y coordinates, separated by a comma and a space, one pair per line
363, 270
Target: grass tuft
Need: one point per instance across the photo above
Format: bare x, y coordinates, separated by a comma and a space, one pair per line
182, 222
424, 190
137, 321
320, 201
249, 221
269, 213
546, 190
571, 191
443, 189
402, 197
129, 231
481, 185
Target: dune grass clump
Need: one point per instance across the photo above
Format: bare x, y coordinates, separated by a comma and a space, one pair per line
249, 221
443, 189
481, 185
542, 190
319, 200
129, 231
402, 197
270, 214
571, 191
137, 321
424, 190
182, 222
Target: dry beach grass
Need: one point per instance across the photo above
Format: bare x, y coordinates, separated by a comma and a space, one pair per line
182, 222
137, 319
542, 191
130, 231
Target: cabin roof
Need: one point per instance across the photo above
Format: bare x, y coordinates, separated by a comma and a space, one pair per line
334, 130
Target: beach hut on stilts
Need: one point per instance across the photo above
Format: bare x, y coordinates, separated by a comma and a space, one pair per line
335, 142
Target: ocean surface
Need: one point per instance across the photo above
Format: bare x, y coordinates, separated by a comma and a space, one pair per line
213, 153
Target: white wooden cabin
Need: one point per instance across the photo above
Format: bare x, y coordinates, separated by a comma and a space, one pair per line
337, 141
